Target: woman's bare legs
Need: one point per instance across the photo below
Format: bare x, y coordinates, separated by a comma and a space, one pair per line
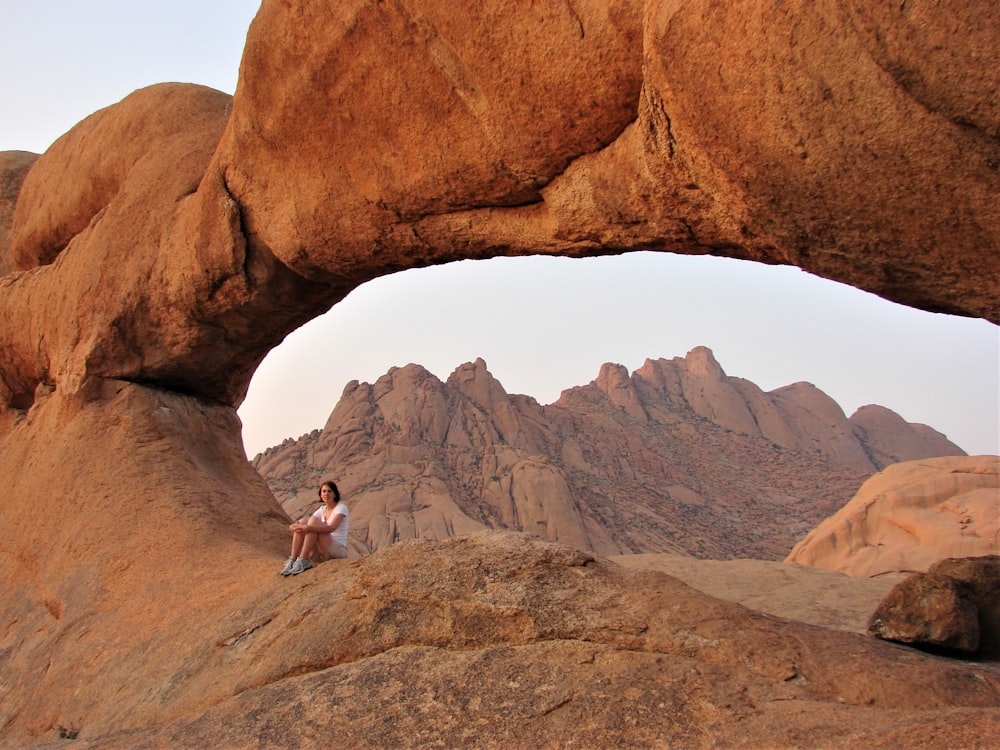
312, 542
298, 541
305, 545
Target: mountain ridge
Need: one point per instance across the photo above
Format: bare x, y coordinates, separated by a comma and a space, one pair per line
676, 457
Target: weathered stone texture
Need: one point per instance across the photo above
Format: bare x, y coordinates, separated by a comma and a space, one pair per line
160, 249
982, 576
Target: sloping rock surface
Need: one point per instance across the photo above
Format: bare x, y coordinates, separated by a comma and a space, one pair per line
816, 596
909, 516
676, 457
503, 640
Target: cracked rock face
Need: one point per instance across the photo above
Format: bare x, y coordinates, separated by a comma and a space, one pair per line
164, 245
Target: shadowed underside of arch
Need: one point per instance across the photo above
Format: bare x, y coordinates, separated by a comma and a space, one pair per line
162, 247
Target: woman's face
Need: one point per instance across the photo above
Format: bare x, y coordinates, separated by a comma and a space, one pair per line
326, 494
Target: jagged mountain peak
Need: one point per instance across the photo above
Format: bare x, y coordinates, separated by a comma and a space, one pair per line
674, 457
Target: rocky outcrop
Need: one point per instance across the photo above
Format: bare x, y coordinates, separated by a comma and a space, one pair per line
813, 136
888, 439
163, 246
929, 610
498, 640
676, 457
954, 606
981, 575
909, 516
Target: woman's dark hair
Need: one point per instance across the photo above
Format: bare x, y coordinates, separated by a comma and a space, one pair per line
332, 485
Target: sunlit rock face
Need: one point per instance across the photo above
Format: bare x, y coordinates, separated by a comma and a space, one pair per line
378, 136
857, 141
909, 516
164, 245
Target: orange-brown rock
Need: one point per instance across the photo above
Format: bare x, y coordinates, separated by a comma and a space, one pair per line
909, 516
788, 134
118, 152
162, 247
792, 592
676, 457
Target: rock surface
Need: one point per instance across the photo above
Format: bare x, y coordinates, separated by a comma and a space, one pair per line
676, 457
792, 592
500, 640
955, 605
810, 135
909, 516
163, 246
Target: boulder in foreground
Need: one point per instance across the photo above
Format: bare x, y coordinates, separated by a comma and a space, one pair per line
929, 610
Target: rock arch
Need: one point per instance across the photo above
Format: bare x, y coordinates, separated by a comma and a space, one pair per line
163, 246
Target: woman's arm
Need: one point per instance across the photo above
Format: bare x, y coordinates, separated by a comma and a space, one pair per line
318, 527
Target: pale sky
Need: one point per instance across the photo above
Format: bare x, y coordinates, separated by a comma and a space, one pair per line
541, 324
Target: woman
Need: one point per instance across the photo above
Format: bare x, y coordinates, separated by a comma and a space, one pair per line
323, 535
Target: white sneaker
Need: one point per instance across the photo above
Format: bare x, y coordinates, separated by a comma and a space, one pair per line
300, 566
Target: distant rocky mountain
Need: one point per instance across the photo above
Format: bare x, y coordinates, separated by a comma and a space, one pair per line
677, 457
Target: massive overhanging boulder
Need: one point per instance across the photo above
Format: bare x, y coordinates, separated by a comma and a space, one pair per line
810, 135
369, 137
162, 247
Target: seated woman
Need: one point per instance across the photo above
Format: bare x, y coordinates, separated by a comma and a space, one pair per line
321, 536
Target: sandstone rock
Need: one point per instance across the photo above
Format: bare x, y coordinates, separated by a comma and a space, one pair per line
167, 519
139, 213
752, 132
982, 576
676, 457
82, 172
909, 516
787, 172
932, 610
